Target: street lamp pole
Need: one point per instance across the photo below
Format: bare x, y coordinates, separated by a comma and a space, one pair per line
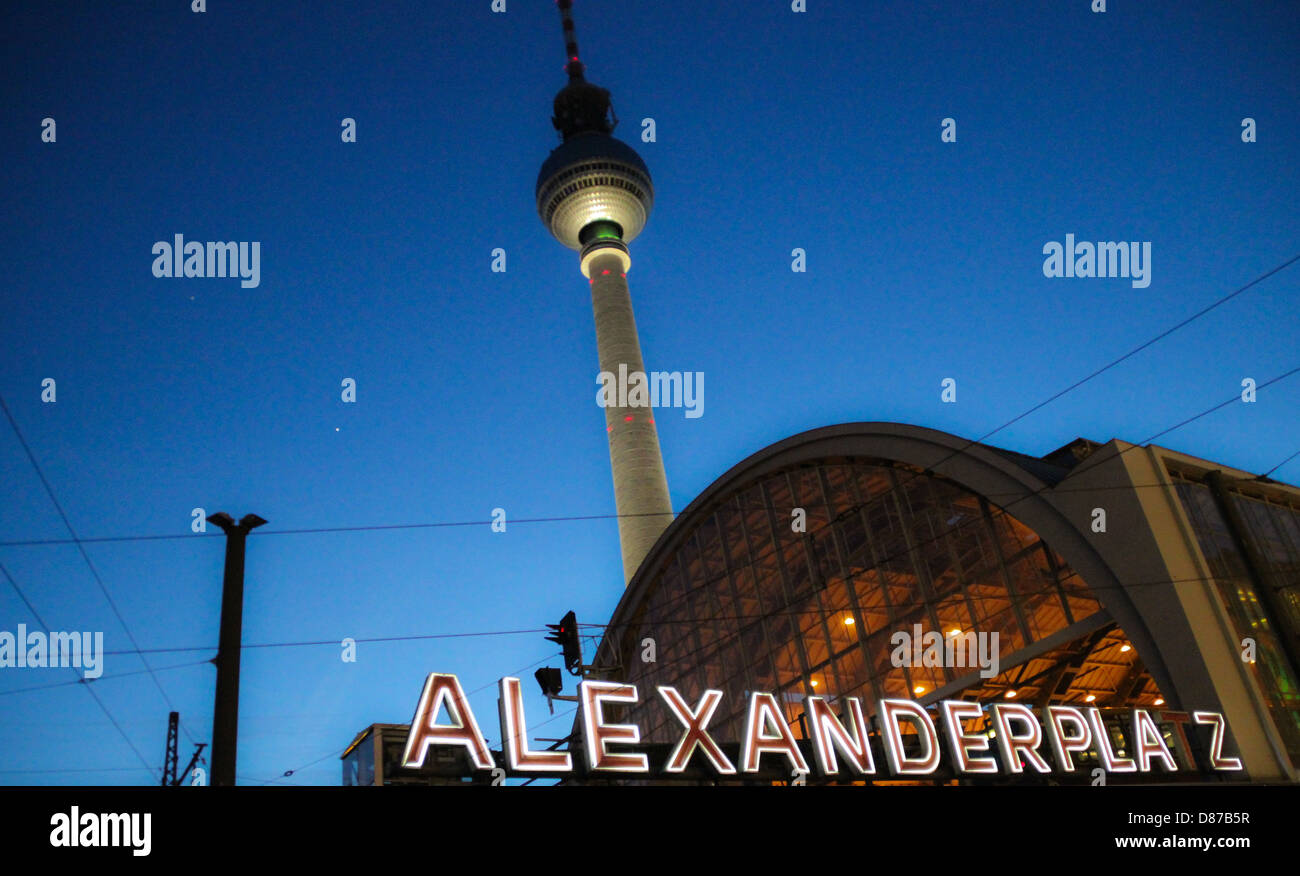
225, 715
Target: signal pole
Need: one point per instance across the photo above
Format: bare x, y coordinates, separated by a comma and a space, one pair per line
225, 715
171, 777
169, 759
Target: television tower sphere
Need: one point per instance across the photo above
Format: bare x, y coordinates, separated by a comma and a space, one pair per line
589, 181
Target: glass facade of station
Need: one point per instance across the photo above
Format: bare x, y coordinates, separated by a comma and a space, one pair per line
795, 583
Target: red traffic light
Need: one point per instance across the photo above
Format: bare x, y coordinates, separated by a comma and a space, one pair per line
565, 634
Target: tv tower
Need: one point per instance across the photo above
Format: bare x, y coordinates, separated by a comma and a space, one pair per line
594, 194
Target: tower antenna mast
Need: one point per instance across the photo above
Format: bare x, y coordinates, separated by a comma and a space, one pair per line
574, 66
594, 195
581, 107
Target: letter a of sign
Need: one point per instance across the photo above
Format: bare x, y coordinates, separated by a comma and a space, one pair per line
440, 690
764, 713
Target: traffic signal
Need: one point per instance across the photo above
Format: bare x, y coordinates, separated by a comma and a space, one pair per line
551, 680
565, 634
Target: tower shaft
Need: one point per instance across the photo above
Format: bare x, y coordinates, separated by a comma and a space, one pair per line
640, 486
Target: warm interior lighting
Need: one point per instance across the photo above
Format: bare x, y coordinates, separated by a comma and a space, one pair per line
1089, 698
848, 622
919, 689
1011, 695
1124, 649
1160, 701
952, 633
814, 682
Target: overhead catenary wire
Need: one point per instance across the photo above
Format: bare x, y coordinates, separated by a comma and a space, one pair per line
81, 770
49, 491
1139, 348
40, 542
1279, 465
95, 696
335, 642
18, 690
321, 529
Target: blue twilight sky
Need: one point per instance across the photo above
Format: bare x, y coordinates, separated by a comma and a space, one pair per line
476, 389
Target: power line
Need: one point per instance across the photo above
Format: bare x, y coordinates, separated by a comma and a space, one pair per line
323, 529
85, 556
4, 693
335, 642
1139, 348
483, 687
82, 770
100, 702
178, 537
249, 779
1279, 465
1222, 404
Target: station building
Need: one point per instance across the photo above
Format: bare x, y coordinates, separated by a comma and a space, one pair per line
1116, 576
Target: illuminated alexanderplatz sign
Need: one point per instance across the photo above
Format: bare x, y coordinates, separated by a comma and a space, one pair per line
840, 746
